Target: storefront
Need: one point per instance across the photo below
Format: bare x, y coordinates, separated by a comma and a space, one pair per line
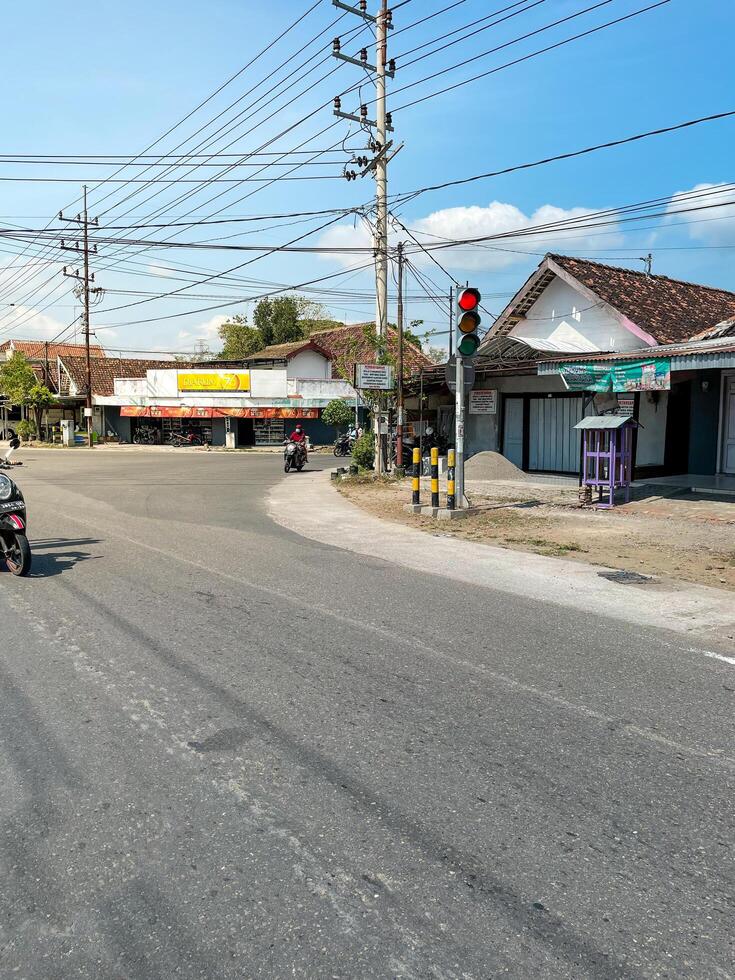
223, 407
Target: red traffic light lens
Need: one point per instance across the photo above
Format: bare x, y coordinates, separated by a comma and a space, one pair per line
469, 322
469, 299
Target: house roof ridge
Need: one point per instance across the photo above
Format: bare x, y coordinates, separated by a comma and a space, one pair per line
638, 272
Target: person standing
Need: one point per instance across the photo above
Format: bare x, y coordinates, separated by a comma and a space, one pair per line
14, 444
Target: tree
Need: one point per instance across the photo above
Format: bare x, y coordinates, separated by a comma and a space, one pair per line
410, 336
286, 326
239, 340
286, 319
437, 355
19, 383
263, 320
39, 399
338, 413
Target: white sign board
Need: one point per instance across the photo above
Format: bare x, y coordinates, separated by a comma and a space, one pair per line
376, 377
484, 401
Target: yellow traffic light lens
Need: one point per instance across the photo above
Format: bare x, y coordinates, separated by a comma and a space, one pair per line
469, 323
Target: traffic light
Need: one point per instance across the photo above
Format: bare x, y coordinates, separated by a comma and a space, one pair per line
468, 322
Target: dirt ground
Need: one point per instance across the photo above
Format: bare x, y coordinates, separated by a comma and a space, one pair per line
684, 537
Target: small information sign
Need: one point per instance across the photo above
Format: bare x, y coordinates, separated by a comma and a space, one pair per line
484, 401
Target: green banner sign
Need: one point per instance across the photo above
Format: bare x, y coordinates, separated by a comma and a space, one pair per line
654, 375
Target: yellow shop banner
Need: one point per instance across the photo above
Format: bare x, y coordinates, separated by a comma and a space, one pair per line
214, 381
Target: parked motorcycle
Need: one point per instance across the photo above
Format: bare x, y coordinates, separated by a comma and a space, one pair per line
145, 435
294, 456
14, 547
343, 446
186, 439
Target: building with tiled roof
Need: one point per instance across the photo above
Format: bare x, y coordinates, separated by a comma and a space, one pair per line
635, 308
40, 350
353, 344
72, 373
582, 337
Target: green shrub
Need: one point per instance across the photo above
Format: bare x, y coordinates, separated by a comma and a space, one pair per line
364, 452
26, 429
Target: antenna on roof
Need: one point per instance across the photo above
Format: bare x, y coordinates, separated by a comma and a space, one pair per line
647, 261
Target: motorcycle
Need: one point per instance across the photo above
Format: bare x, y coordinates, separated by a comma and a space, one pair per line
14, 547
343, 446
294, 456
188, 439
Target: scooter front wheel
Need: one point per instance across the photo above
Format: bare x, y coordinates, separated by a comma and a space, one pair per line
287, 466
18, 558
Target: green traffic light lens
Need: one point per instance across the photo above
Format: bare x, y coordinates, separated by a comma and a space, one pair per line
468, 345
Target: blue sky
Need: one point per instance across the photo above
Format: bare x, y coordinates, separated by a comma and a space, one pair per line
111, 78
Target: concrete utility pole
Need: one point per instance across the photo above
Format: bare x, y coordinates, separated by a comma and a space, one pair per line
381, 178
382, 124
86, 292
399, 321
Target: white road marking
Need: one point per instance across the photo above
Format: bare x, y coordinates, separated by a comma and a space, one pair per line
715, 656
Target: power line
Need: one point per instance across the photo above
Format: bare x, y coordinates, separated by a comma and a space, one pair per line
527, 57
402, 198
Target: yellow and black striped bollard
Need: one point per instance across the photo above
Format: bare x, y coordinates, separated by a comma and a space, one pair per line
435, 477
451, 497
416, 481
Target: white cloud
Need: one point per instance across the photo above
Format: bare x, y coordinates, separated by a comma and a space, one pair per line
479, 222
207, 331
26, 323
348, 236
161, 271
499, 218
711, 224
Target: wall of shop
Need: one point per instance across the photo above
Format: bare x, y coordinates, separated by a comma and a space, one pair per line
121, 427
483, 432
651, 446
704, 422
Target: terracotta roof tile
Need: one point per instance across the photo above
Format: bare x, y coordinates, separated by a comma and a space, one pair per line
277, 352
350, 345
37, 350
105, 371
668, 309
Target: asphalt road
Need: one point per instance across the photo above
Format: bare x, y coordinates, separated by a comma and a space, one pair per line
230, 752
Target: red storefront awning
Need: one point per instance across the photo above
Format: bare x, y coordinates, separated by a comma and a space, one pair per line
179, 412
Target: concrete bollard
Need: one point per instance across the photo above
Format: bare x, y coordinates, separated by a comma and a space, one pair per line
435, 477
451, 495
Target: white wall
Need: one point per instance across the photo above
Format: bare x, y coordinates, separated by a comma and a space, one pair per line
562, 319
309, 364
652, 435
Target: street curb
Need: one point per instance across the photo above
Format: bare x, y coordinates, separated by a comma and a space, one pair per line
314, 509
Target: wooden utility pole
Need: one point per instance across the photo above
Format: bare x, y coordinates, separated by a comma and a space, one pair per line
86, 279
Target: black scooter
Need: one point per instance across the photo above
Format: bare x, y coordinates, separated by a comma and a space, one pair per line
14, 547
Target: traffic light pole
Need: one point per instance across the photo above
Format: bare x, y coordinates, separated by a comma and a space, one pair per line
459, 429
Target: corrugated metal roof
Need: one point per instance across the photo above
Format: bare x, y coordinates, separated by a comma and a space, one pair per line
604, 422
694, 355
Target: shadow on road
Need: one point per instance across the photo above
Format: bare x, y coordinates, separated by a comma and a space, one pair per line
52, 556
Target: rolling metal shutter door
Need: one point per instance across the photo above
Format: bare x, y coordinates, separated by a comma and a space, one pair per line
554, 445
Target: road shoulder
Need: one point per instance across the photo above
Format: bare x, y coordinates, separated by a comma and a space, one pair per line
310, 506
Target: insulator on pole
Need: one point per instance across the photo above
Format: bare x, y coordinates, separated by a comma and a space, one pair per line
363, 111
337, 103
336, 46
363, 55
